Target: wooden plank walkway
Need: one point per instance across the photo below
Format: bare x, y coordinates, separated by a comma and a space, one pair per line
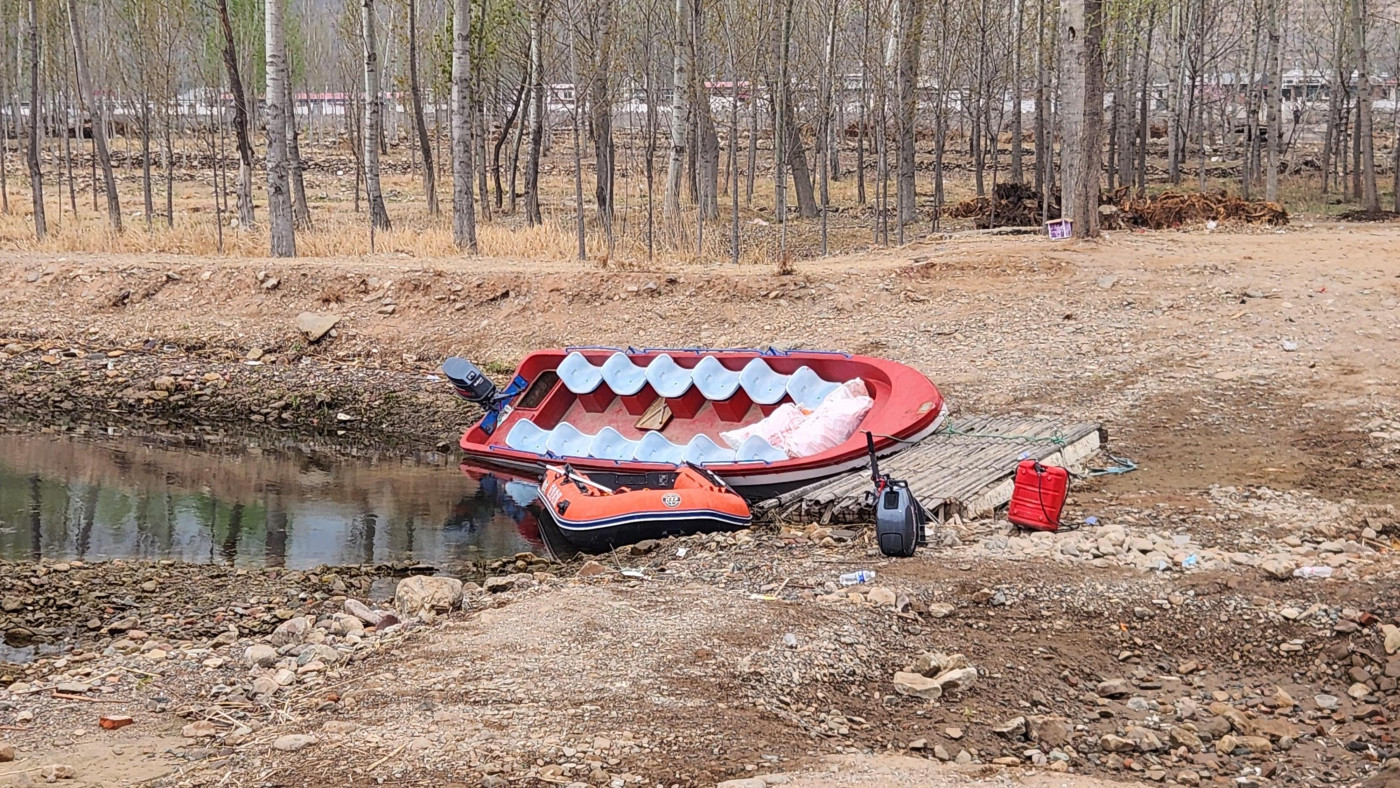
963, 469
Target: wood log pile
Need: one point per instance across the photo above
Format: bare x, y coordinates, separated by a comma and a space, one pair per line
1017, 205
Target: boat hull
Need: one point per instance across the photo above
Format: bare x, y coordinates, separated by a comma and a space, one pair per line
907, 408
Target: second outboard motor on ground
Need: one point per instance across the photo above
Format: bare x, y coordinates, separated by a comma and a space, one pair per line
899, 517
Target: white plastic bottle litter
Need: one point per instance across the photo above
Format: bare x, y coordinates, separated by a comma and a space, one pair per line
855, 578
1313, 571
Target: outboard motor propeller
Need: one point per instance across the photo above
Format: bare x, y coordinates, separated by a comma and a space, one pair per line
471, 383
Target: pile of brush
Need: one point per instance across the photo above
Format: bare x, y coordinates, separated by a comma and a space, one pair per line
1174, 209
1011, 205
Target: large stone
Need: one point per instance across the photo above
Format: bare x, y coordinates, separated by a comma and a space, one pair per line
260, 655
1114, 688
1392, 638
1278, 567
57, 771
1050, 733
745, 782
293, 742
932, 664
316, 324
291, 632
1145, 739
1110, 743
7, 753
960, 678
1014, 728
1185, 737
423, 593
318, 652
917, 685
265, 685
363, 612
880, 596
200, 729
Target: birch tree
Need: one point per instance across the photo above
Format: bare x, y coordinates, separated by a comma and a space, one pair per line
1082, 86
680, 119
463, 208
89, 98
282, 234
246, 216
36, 174
420, 123
378, 215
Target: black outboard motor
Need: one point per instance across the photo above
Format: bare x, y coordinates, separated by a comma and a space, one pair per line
899, 517
471, 383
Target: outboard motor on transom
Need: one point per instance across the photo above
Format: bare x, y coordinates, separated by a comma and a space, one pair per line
471, 383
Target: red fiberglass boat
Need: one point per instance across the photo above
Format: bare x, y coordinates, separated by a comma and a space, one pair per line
763, 421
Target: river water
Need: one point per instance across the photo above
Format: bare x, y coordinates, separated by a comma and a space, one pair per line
67, 499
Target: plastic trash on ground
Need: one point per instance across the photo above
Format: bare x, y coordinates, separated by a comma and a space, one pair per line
856, 578
1313, 571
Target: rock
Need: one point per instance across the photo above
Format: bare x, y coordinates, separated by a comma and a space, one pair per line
316, 325
271, 283
338, 727
293, 742
200, 729
318, 652
1145, 739
496, 585
291, 632
494, 781
1184, 737
421, 593
363, 612
941, 753
1256, 744
57, 771
1282, 700
7, 753
1110, 743
264, 685
1392, 638
917, 685
644, 547
933, 664
1275, 729
284, 677
746, 782
260, 655
1188, 777
593, 569
1114, 688
73, 688
882, 597
1014, 728
1049, 732
1278, 567
960, 678
953, 733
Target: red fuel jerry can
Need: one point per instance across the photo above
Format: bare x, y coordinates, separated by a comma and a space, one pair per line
1038, 496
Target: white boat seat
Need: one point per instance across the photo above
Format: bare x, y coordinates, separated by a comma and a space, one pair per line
714, 380
763, 385
578, 374
622, 376
610, 445
755, 449
566, 441
654, 447
808, 389
703, 451
527, 436
670, 379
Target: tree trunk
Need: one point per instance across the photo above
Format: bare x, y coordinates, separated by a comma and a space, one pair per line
99, 130
1274, 60
506, 125
148, 198
246, 216
420, 123
1370, 198
463, 208
1175, 44
301, 209
282, 233
1018, 173
580, 228
36, 175
680, 121
378, 215
1042, 140
532, 165
1082, 85
911, 33
600, 109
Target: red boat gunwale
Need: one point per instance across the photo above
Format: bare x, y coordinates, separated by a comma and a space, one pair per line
907, 407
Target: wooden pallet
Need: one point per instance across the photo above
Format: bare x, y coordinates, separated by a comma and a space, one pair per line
963, 469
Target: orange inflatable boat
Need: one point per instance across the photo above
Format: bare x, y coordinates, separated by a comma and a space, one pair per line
599, 511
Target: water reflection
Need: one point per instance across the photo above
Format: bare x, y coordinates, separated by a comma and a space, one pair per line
68, 499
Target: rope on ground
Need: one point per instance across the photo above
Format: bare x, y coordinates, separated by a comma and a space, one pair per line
1121, 466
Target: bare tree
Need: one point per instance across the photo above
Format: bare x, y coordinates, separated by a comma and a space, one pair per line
1082, 85
246, 217
282, 233
1370, 198
463, 209
89, 98
419, 122
911, 33
680, 119
36, 175
533, 215
378, 215
301, 210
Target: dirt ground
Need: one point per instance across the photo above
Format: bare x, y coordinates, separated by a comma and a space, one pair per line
1251, 375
